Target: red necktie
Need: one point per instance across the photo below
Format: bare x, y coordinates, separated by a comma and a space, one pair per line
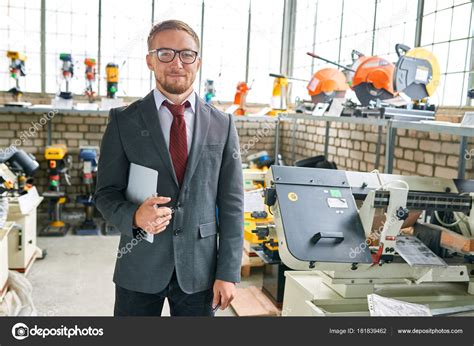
178, 139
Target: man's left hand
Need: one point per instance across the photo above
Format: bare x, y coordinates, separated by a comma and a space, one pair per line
224, 292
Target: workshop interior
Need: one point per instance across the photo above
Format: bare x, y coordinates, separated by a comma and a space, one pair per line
356, 130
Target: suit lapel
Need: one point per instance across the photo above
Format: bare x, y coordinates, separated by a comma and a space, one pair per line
150, 117
201, 127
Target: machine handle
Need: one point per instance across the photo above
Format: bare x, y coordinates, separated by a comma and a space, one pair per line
355, 54
276, 75
338, 236
401, 49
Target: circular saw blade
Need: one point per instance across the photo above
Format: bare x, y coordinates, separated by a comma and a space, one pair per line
417, 74
366, 92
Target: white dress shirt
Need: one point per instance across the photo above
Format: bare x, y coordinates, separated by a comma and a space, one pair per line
166, 118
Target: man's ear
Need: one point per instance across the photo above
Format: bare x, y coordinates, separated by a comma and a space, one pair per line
199, 62
149, 62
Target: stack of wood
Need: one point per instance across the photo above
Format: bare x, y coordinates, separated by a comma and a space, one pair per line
249, 260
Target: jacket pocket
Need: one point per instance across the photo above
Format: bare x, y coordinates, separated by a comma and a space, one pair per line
208, 229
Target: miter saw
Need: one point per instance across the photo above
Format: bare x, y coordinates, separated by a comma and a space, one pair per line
327, 84
345, 234
388, 90
398, 91
373, 80
417, 72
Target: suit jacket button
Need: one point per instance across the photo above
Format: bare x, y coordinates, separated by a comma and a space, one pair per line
177, 231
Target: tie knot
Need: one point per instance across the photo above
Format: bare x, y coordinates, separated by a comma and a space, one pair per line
176, 110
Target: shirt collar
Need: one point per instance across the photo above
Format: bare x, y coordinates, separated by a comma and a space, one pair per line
160, 98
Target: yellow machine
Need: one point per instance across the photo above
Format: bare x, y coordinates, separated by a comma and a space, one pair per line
59, 163
417, 72
257, 222
279, 94
112, 75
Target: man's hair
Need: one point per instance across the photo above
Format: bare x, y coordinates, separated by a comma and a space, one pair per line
172, 25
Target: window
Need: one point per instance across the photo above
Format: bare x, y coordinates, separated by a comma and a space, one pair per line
71, 27
265, 45
330, 28
225, 46
125, 27
396, 23
317, 32
447, 32
20, 31
357, 29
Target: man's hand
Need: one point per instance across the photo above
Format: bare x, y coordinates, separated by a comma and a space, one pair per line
224, 293
150, 218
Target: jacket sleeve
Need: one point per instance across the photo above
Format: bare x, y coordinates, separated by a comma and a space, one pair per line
112, 180
230, 203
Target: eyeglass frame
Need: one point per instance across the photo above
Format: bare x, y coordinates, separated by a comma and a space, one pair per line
175, 51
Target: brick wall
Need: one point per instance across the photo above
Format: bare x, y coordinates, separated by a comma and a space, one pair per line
351, 146
74, 131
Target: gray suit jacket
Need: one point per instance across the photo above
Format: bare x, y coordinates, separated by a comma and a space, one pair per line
200, 244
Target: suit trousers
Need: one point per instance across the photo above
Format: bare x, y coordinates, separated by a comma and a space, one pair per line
131, 303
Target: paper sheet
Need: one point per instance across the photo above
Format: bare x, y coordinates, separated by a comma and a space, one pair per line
253, 201
381, 306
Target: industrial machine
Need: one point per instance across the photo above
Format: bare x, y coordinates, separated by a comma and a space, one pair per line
210, 90
88, 158
19, 203
327, 84
279, 102
373, 80
17, 70
379, 84
345, 235
4, 232
417, 72
90, 75
257, 224
67, 72
240, 98
59, 163
112, 77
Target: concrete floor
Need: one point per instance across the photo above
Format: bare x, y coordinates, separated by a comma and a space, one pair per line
75, 278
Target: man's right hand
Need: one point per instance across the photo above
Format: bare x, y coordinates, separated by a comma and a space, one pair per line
151, 218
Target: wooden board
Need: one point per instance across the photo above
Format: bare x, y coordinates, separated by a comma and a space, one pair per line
248, 263
251, 301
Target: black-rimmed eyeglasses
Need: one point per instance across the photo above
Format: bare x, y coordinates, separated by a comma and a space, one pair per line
166, 55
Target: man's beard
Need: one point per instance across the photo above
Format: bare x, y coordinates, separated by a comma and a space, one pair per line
175, 88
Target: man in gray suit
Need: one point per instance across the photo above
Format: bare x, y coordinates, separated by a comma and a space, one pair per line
195, 257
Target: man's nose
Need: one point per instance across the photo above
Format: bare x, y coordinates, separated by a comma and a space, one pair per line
177, 61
